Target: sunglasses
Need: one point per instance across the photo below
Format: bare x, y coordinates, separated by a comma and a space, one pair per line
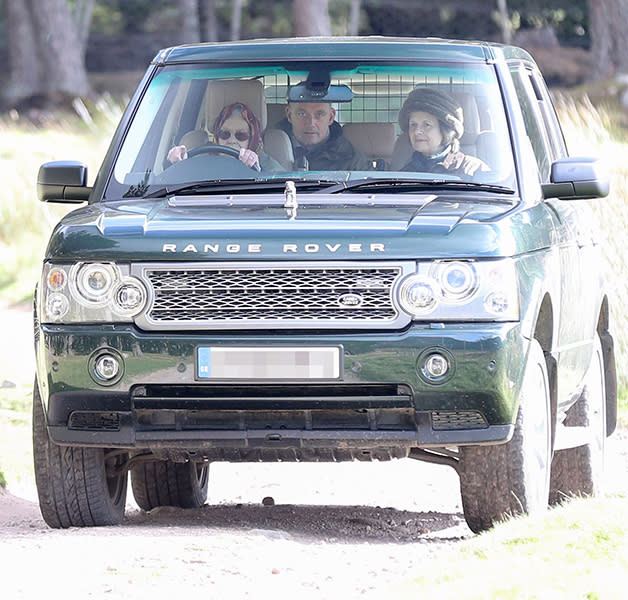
241, 136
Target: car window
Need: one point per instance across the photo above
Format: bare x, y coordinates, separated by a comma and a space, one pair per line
360, 114
530, 100
550, 118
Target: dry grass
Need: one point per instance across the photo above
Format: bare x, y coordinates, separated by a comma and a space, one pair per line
589, 131
578, 551
29, 141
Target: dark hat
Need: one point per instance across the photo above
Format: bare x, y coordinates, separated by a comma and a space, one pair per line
443, 106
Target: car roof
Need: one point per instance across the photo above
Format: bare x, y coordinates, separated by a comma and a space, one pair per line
340, 48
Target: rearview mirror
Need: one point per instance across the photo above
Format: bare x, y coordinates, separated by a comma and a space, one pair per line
310, 93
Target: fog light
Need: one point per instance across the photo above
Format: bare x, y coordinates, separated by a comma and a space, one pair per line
436, 366
106, 367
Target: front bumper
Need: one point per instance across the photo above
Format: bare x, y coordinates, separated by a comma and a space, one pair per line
381, 399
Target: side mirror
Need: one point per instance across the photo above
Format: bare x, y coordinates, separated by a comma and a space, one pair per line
577, 178
63, 181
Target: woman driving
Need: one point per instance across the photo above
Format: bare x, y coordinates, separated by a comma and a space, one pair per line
236, 126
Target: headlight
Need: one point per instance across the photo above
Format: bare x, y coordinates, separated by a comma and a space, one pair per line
90, 292
458, 280
461, 290
129, 296
57, 306
419, 295
95, 281
57, 279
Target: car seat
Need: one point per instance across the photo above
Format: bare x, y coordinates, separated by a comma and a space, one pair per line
376, 140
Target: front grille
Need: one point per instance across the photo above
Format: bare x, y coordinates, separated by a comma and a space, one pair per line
277, 295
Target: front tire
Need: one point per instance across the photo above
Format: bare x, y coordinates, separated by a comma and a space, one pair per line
168, 483
579, 471
500, 481
77, 487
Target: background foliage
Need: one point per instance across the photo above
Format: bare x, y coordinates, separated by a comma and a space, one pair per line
125, 34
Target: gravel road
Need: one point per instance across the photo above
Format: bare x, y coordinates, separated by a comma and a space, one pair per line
349, 530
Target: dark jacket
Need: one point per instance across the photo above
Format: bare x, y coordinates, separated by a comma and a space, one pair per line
451, 163
336, 153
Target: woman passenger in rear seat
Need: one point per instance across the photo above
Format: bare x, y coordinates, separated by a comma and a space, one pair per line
433, 122
236, 126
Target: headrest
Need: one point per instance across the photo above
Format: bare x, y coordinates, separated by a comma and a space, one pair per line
194, 139
472, 127
278, 145
222, 92
376, 140
276, 112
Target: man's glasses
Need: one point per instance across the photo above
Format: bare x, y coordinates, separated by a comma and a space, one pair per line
241, 136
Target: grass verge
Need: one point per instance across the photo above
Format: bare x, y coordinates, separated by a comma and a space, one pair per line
16, 452
26, 223
576, 551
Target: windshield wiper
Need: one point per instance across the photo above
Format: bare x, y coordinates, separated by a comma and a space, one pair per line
408, 185
239, 185
330, 186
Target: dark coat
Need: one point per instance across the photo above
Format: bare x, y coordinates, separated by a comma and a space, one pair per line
451, 163
336, 153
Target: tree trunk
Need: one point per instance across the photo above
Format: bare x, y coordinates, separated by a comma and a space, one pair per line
24, 66
608, 20
208, 20
354, 17
63, 63
504, 21
236, 19
311, 17
83, 17
600, 29
190, 25
620, 20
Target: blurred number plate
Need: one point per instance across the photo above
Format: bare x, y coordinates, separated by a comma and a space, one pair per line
250, 362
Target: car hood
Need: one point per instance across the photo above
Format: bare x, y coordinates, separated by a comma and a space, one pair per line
261, 228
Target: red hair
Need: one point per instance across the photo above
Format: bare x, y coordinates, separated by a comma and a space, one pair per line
255, 129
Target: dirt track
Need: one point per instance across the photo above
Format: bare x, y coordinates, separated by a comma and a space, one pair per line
335, 531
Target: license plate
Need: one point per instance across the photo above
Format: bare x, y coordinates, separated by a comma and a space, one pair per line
261, 362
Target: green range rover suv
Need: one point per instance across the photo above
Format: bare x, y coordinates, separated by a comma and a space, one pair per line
325, 250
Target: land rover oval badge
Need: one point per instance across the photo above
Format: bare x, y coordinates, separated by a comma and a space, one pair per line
350, 300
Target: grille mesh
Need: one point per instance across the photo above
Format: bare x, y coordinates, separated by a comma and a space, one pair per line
458, 419
261, 294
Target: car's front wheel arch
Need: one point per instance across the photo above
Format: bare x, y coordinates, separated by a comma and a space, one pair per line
610, 369
544, 335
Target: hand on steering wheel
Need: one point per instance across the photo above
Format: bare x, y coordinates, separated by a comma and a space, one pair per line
250, 158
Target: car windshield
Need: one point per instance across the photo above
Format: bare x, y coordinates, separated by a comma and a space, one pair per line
202, 128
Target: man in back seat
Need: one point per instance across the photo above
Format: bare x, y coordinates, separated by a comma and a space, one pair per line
317, 139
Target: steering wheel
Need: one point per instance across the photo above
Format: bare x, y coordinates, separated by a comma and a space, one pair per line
212, 148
